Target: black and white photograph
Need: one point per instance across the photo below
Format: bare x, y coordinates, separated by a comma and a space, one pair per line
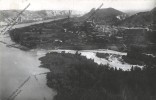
77, 50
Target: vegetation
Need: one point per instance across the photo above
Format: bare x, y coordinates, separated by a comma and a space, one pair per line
64, 33
139, 58
102, 55
141, 55
77, 78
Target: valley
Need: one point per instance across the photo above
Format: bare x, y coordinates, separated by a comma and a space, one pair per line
104, 54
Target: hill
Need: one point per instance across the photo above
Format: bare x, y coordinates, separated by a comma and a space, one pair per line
106, 16
140, 19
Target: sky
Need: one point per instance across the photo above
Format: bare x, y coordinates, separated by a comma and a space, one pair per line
81, 5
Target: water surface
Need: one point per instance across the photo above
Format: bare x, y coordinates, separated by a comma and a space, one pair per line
15, 67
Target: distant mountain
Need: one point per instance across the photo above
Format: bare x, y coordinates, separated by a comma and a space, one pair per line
106, 16
140, 19
6, 15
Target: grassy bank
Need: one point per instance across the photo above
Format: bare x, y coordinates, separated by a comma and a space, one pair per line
75, 77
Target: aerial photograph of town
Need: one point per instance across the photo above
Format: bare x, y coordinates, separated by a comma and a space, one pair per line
77, 50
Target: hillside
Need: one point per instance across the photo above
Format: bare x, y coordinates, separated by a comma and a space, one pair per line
106, 16
140, 19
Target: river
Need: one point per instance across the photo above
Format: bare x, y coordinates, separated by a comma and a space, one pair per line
19, 79
15, 67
